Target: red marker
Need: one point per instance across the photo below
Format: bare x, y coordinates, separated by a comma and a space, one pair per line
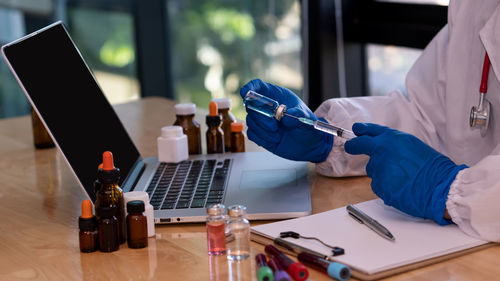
297, 270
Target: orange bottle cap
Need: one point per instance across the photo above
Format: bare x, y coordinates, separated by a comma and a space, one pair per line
87, 209
237, 127
107, 161
213, 109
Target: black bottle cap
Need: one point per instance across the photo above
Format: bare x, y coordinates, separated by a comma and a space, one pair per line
135, 207
107, 211
87, 224
213, 120
108, 176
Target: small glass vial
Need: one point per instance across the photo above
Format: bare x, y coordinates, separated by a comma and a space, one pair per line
224, 105
137, 225
216, 230
237, 137
215, 135
238, 227
88, 236
41, 137
185, 118
109, 235
264, 105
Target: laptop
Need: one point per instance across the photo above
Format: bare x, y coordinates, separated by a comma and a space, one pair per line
63, 91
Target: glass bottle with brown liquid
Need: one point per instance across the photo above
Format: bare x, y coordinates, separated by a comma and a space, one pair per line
237, 137
215, 135
137, 225
110, 194
109, 235
185, 118
87, 223
224, 106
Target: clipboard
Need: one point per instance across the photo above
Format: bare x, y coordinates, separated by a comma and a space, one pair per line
360, 242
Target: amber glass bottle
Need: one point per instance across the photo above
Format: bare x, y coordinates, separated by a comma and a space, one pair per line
109, 235
110, 194
237, 137
87, 224
224, 106
191, 128
215, 135
41, 137
137, 225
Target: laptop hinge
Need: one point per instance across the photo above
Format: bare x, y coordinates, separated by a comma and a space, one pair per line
134, 175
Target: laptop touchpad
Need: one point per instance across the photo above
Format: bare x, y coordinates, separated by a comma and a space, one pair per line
268, 178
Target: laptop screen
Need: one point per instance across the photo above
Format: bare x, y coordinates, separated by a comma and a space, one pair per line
65, 93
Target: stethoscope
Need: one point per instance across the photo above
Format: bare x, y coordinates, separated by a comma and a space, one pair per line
480, 115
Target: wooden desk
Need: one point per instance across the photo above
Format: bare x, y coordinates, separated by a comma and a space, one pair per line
40, 203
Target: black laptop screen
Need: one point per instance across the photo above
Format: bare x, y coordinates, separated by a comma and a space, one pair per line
71, 103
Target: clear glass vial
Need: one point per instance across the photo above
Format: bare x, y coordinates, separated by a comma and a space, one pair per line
264, 105
238, 227
216, 230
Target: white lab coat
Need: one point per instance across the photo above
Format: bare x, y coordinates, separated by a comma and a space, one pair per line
442, 86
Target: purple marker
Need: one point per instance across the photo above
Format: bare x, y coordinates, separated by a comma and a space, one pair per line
279, 273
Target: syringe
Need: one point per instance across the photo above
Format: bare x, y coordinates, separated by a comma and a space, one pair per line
325, 127
271, 108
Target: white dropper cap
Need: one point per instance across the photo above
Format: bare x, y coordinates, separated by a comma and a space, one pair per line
171, 132
223, 103
185, 109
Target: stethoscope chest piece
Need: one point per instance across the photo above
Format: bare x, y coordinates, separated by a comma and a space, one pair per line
480, 115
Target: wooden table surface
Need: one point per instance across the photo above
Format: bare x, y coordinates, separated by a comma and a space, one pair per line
40, 203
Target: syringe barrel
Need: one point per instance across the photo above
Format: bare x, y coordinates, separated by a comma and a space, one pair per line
334, 130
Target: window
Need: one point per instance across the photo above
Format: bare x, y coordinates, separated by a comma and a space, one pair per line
218, 45
103, 32
106, 40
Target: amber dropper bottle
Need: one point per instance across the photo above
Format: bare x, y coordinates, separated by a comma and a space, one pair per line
110, 194
224, 109
215, 135
88, 229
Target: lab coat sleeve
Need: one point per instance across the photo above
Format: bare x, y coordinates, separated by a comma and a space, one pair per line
473, 199
420, 114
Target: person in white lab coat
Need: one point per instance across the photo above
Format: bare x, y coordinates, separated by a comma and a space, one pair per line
439, 168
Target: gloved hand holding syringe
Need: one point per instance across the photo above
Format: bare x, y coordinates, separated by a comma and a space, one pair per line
273, 109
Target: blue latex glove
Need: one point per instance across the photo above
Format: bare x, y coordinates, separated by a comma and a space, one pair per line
406, 173
289, 138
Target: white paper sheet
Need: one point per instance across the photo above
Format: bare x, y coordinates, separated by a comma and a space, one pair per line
416, 239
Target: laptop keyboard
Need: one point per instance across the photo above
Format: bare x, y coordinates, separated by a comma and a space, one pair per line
188, 184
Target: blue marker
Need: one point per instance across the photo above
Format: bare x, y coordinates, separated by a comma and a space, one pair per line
333, 269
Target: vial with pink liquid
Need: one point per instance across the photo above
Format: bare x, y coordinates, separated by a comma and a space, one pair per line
216, 230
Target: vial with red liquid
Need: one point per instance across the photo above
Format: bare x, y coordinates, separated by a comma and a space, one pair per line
216, 230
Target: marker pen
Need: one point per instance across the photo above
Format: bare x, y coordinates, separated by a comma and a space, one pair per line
264, 273
333, 269
279, 273
297, 270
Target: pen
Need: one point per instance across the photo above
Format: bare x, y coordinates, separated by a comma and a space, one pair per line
333, 269
297, 270
374, 225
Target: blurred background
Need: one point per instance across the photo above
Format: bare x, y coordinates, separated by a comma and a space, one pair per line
196, 50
